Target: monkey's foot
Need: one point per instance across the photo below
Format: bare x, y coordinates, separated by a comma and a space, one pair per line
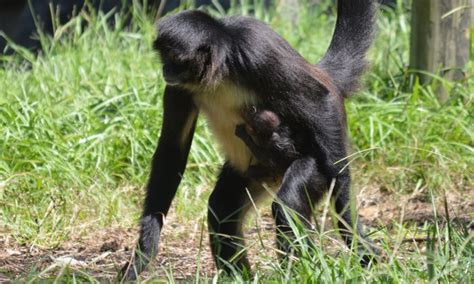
368, 253
130, 271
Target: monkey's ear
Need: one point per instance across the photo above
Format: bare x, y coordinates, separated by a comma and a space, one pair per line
214, 62
204, 54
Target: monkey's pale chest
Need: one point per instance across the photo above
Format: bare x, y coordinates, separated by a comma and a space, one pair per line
222, 108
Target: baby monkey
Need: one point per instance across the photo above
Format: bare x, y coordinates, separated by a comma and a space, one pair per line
269, 140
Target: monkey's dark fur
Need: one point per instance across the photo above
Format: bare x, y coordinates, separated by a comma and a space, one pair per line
220, 67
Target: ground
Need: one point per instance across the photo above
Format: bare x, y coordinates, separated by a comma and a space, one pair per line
184, 248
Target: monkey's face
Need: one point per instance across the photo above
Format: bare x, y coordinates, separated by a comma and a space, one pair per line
182, 67
176, 72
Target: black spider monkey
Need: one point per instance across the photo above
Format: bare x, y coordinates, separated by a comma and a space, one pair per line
222, 66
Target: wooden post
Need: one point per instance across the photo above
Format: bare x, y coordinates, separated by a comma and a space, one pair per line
440, 39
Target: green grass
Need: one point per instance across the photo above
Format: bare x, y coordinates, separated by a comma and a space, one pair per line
79, 123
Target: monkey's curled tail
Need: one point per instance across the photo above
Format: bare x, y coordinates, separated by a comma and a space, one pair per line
345, 58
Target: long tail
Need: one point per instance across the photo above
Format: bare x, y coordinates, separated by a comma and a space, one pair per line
345, 58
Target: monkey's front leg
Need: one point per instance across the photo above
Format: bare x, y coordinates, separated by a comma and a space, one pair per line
169, 162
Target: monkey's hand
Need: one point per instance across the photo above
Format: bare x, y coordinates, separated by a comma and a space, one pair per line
241, 132
258, 172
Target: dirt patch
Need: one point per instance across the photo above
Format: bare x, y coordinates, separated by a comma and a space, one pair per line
184, 248
381, 208
102, 253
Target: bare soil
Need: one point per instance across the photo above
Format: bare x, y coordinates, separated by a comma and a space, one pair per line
185, 251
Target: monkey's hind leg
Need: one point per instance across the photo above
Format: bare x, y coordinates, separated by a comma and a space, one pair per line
348, 221
293, 207
227, 206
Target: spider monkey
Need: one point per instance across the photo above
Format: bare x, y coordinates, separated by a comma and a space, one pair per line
220, 67
276, 148
269, 140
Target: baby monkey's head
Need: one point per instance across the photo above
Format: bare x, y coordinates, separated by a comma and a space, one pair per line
261, 122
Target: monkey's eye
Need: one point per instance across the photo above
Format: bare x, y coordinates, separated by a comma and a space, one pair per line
171, 55
179, 64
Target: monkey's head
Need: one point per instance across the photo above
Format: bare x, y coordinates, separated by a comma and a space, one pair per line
262, 123
192, 46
